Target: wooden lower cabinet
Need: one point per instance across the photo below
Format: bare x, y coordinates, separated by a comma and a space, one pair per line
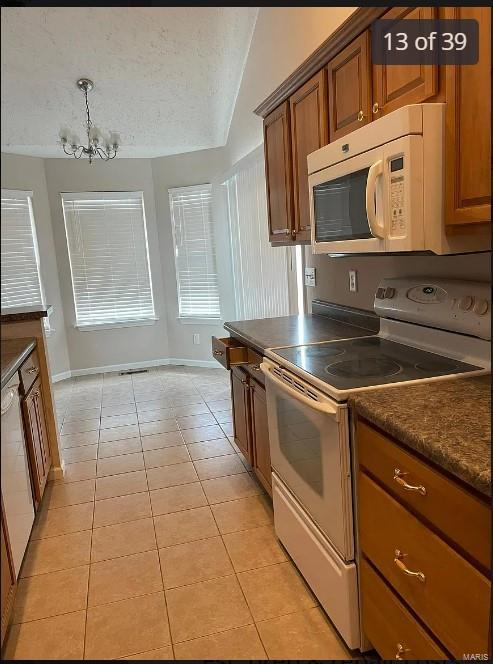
8, 577
414, 565
240, 396
260, 435
37, 439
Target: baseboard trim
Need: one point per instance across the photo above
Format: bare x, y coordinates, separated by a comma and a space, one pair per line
173, 361
63, 375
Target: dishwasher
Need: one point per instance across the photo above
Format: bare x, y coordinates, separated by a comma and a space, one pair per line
16, 479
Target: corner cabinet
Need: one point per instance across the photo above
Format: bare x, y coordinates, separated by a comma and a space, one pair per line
278, 173
37, 439
468, 129
397, 86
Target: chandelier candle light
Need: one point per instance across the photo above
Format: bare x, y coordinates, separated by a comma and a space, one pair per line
93, 148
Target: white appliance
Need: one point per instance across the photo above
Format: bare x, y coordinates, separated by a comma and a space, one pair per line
422, 338
381, 188
16, 479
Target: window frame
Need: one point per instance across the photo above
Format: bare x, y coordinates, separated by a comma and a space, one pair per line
93, 326
194, 319
29, 195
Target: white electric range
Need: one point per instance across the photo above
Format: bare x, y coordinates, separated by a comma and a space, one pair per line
430, 330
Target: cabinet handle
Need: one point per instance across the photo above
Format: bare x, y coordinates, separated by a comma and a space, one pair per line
256, 367
398, 475
361, 116
217, 352
245, 382
375, 108
287, 231
32, 370
398, 562
400, 650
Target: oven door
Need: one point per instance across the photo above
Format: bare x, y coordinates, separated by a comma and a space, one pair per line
309, 447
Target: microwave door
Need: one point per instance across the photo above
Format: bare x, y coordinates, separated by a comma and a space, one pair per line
347, 206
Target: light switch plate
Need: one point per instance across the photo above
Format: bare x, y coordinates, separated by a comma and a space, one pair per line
310, 279
196, 339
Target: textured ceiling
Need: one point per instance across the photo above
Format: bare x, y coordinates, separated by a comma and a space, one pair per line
166, 79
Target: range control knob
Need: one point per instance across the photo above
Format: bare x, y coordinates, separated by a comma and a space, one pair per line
380, 293
466, 302
481, 307
389, 292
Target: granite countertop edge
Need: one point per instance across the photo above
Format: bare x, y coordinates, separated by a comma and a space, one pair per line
18, 314
11, 362
469, 460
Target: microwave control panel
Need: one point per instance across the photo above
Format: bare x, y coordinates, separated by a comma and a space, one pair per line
397, 209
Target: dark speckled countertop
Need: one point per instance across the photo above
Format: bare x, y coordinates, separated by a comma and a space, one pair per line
293, 331
448, 422
13, 353
18, 314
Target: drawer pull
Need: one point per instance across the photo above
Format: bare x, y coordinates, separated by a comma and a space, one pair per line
398, 561
217, 352
32, 370
256, 367
400, 651
398, 477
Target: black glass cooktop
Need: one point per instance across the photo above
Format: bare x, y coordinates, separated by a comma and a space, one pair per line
369, 361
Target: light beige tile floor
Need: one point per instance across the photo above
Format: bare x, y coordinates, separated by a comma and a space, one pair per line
159, 542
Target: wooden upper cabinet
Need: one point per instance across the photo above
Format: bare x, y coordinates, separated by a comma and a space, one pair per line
309, 132
468, 129
399, 85
278, 174
349, 88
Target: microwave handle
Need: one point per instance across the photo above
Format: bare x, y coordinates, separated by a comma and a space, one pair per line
376, 227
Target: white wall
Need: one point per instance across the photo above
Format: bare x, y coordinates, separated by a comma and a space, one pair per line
205, 166
117, 346
283, 38
28, 174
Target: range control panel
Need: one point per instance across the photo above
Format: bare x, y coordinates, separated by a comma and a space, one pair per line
456, 306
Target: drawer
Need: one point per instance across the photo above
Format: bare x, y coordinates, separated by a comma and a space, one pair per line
389, 626
458, 514
29, 372
452, 597
229, 351
253, 366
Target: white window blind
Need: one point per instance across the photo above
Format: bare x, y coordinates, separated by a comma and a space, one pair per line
195, 251
109, 259
21, 283
260, 272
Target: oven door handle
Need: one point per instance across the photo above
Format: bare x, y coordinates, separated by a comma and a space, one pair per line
322, 407
376, 226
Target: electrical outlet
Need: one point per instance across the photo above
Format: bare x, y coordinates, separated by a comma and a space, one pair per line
353, 281
310, 279
196, 339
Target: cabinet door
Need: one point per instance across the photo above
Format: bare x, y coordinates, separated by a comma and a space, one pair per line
309, 132
399, 85
468, 129
260, 436
349, 88
278, 174
37, 443
241, 411
8, 577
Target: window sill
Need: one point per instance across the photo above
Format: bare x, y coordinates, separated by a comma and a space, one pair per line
200, 321
111, 326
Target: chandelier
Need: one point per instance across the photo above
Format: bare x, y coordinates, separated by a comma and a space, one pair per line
93, 147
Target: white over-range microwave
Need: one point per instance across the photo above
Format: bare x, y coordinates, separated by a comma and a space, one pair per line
381, 188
